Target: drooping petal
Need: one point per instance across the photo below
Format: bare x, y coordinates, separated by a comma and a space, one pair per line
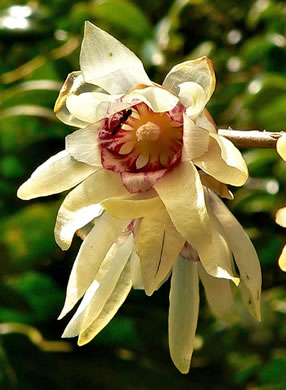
195, 140
136, 276
90, 107
101, 291
215, 185
281, 146
131, 208
158, 99
199, 71
142, 181
193, 97
106, 62
91, 254
82, 145
182, 193
59, 173
244, 253
223, 161
158, 244
183, 312
80, 204
219, 295
118, 296
72, 86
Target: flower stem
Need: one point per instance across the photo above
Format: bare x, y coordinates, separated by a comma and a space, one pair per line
252, 138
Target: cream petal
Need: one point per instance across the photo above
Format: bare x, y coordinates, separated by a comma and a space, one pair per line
117, 298
59, 173
73, 85
131, 208
223, 161
219, 295
206, 121
158, 244
80, 204
281, 146
282, 259
183, 312
244, 253
280, 217
182, 193
158, 99
90, 107
82, 145
199, 71
142, 181
195, 140
101, 291
193, 97
91, 254
136, 276
106, 62
215, 185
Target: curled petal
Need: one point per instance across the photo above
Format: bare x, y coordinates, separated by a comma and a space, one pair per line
142, 181
118, 69
281, 146
100, 290
219, 295
199, 71
223, 161
158, 99
158, 244
73, 85
91, 254
59, 173
129, 208
195, 140
183, 312
193, 97
182, 193
80, 205
244, 253
215, 185
82, 145
118, 296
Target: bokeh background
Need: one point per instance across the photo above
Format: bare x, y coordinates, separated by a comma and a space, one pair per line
39, 46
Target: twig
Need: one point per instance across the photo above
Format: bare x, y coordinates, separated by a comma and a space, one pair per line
252, 138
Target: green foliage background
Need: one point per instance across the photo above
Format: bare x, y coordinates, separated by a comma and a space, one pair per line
246, 41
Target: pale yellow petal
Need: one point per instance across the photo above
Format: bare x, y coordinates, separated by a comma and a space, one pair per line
223, 161
281, 217
59, 173
90, 256
182, 193
220, 296
199, 71
80, 204
136, 276
129, 208
215, 185
158, 244
195, 140
193, 97
281, 146
282, 259
110, 308
244, 253
183, 312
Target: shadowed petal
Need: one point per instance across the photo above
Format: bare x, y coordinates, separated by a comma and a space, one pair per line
195, 140
199, 71
223, 161
219, 295
158, 244
142, 181
106, 62
244, 253
91, 254
193, 97
59, 173
80, 204
183, 312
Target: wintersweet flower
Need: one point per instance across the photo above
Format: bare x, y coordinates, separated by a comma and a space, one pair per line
145, 252
145, 153
280, 219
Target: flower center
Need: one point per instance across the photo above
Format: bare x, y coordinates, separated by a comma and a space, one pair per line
140, 140
148, 131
